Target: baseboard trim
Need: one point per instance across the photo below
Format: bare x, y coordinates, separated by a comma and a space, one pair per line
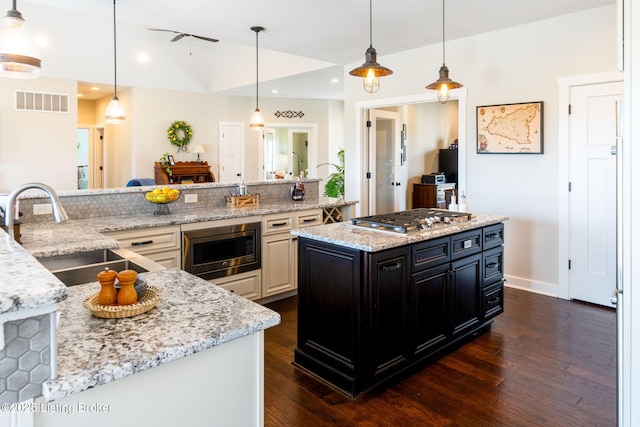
549, 289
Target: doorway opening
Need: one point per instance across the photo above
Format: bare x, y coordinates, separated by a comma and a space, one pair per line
289, 151
415, 121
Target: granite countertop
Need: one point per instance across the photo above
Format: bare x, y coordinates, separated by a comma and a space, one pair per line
24, 282
355, 237
191, 316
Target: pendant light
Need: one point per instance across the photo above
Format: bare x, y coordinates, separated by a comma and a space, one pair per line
19, 56
371, 71
257, 120
115, 111
444, 84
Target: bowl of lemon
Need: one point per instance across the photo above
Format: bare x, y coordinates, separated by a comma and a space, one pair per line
162, 197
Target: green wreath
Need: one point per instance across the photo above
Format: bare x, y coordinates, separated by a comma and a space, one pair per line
179, 133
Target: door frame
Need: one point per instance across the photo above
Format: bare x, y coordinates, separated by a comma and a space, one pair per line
361, 137
564, 92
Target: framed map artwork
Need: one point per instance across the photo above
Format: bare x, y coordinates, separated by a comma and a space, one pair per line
509, 128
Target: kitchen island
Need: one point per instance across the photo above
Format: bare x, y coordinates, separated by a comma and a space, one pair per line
372, 305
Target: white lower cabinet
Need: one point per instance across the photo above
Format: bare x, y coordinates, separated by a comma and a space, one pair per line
160, 244
244, 284
278, 264
280, 249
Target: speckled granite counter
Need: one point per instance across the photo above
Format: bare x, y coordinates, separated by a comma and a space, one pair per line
191, 316
75, 235
347, 235
24, 283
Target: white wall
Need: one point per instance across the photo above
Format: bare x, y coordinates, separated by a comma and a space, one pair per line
519, 64
37, 146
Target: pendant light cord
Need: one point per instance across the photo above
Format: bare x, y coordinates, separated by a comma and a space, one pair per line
115, 63
370, 23
257, 68
442, 32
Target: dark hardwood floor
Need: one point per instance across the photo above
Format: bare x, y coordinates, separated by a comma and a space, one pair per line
545, 362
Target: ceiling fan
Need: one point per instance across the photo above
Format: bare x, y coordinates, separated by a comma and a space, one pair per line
180, 35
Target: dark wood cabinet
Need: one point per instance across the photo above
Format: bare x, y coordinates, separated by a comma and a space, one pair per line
430, 195
365, 317
389, 272
195, 172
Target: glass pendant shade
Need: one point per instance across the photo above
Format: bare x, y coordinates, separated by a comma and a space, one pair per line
19, 56
115, 112
444, 85
257, 120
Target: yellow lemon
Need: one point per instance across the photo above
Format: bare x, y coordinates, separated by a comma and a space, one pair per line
165, 190
160, 198
149, 196
157, 191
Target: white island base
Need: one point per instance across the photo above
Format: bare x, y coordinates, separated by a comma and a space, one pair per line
220, 386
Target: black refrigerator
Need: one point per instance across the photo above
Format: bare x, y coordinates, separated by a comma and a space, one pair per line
448, 164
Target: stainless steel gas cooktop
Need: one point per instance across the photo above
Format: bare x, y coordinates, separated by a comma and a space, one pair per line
411, 221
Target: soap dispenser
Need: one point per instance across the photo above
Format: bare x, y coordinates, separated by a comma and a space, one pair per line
462, 203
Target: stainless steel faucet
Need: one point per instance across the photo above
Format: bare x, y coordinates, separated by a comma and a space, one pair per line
59, 213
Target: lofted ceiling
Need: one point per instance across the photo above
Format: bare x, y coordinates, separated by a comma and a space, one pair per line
334, 31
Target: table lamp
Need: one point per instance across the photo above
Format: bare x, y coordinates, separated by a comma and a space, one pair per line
198, 149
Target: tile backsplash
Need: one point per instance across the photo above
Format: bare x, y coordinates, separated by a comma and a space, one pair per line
130, 200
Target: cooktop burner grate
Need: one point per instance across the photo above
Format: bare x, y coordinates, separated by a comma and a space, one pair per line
412, 220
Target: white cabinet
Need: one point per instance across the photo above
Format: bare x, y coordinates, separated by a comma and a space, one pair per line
245, 284
280, 249
160, 244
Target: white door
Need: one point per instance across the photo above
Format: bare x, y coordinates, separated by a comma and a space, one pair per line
592, 201
231, 138
388, 176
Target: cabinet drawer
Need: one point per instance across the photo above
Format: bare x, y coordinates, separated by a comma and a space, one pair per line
308, 218
493, 300
277, 223
492, 265
467, 243
493, 236
430, 253
149, 240
244, 284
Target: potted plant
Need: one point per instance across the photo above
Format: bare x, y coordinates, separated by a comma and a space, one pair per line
334, 187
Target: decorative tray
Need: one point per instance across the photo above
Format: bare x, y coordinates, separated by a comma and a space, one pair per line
144, 304
242, 201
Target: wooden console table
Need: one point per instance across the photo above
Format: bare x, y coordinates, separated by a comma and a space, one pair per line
183, 171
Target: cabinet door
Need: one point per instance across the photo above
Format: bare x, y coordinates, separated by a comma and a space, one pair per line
278, 264
428, 314
465, 287
388, 271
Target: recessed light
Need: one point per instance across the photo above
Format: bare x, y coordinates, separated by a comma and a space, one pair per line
95, 88
80, 95
274, 90
335, 80
143, 58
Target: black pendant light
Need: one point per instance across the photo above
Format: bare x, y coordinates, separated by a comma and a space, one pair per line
257, 120
444, 84
19, 56
371, 71
115, 112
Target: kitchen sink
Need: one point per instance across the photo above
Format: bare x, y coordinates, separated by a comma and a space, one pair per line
83, 267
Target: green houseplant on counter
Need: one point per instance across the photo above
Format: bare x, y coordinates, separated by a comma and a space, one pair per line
334, 187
